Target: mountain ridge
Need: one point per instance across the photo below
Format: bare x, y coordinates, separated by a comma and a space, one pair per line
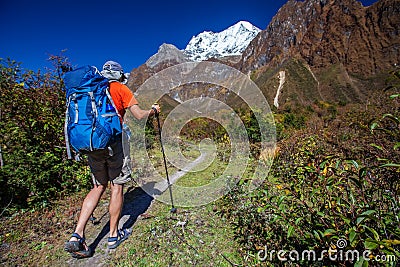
328, 49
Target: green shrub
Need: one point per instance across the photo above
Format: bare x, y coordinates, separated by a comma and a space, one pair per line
310, 201
321, 191
293, 120
34, 168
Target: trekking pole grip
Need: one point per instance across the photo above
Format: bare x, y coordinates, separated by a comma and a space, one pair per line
156, 113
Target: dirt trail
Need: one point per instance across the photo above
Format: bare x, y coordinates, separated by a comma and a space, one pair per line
136, 203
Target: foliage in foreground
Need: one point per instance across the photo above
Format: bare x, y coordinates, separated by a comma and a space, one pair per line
338, 191
33, 165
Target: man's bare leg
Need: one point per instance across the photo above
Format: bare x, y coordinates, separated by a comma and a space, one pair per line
115, 208
88, 206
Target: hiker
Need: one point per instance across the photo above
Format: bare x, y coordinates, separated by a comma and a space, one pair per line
108, 166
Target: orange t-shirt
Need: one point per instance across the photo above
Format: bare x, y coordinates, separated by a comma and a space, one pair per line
122, 96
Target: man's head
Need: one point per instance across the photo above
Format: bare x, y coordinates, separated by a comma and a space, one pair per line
113, 71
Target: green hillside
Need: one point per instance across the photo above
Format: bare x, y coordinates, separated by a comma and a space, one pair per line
333, 186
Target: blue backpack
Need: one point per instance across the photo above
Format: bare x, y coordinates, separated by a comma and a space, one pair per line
91, 120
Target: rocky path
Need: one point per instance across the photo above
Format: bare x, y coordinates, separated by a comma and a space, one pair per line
136, 202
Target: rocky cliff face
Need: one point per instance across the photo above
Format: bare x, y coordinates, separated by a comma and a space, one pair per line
325, 32
167, 56
167, 53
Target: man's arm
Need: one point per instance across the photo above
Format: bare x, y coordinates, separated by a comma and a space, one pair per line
139, 113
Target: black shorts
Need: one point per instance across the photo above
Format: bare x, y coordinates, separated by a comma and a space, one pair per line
110, 165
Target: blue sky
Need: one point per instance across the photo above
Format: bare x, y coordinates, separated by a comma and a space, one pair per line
126, 31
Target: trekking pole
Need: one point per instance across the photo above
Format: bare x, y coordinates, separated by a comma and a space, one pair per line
173, 209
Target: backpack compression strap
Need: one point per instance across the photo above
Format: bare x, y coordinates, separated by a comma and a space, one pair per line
66, 130
94, 110
67, 144
73, 98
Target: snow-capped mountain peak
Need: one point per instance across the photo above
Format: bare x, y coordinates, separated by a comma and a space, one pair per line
229, 42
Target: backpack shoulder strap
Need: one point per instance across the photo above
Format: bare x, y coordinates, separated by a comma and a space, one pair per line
112, 101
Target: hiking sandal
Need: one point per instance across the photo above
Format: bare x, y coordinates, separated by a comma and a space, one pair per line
122, 235
73, 246
86, 252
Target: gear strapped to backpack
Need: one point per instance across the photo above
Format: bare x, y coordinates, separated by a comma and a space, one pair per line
91, 119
